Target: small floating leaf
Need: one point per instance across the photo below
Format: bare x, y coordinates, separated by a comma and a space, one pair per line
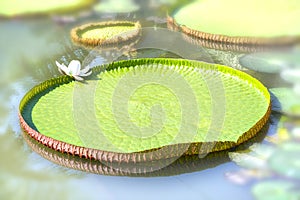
270, 62
105, 33
286, 102
286, 160
256, 159
275, 190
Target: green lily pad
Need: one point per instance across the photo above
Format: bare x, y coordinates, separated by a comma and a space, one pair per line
105, 33
147, 109
286, 161
33, 7
287, 102
116, 6
270, 62
275, 190
240, 22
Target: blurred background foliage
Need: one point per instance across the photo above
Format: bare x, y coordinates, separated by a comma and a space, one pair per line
33, 37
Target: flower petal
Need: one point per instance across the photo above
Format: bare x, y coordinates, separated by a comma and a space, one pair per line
85, 70
74, 67
57, 64
62, 68
78, 78
86, 74
61, 71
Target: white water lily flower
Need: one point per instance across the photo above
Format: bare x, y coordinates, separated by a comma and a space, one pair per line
73, 70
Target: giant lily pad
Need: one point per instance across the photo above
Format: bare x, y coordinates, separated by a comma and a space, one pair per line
105, 33
185, 164
147, 109
240, 22
33, 7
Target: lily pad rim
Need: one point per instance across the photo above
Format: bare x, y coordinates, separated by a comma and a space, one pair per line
236, 40
102, 155
241, 48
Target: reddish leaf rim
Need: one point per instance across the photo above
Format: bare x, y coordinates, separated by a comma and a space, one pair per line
224, 39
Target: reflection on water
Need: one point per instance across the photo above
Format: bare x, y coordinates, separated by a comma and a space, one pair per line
28, 50
185, 164
21, 180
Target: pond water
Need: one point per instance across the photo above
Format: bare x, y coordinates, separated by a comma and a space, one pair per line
28, 50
